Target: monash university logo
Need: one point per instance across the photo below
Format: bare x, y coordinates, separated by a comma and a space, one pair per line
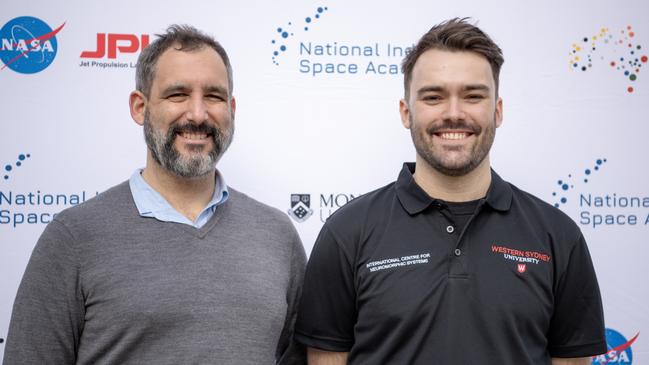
300, 207
28, 45
618, 349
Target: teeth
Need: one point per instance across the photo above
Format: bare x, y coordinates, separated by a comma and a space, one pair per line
194, 135
453, 135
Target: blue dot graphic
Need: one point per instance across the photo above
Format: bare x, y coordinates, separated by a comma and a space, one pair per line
28, 156
273, 41
308, 19
560, 182
320, 10
596, 168
564, 200
585, 180
6, 177
587, 171
21, 157
279, 30
556, 205
283, 48
18, 163
306, 28
276, 53
599, 162
565, 187
317, 16
554, 194
8, 167
285, 35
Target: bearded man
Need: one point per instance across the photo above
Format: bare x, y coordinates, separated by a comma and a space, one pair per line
450, 264
172, 266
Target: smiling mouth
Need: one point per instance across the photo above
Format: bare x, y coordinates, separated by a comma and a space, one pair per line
194, 136
453, 136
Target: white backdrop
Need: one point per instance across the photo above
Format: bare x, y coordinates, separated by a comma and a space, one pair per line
337, 135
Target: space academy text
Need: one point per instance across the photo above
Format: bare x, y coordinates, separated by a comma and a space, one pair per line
36, 207
613, 210
334, 58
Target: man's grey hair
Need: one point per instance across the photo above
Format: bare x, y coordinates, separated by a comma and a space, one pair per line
183, 38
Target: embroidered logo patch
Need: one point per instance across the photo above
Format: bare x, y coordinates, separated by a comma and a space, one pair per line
395, 262
521, 257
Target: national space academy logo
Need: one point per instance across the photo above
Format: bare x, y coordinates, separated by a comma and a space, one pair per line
618, 349
28, 45
300, 207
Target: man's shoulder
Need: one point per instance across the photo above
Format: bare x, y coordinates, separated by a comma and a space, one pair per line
547, 215
242, 204
368, 208
107, 203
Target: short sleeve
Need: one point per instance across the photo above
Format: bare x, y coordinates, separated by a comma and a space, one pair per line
577, 325
47, 317
327, 312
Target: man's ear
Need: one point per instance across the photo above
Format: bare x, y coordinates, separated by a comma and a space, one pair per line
137, 105
404, 110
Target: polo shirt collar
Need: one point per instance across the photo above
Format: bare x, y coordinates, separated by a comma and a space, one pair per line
415, 200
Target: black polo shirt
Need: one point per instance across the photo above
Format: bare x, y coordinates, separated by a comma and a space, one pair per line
392, 281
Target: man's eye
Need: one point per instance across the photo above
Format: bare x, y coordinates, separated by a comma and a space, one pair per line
215, 97
176, 96
475, 97
432, 98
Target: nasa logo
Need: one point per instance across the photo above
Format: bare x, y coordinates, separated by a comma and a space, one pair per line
128, 43
619, 349
28, 45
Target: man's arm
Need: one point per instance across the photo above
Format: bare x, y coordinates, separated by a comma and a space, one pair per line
572, 361
290, 352
319, 357
47, 318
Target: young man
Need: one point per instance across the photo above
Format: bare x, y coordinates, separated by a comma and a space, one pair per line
172, 266
450, 264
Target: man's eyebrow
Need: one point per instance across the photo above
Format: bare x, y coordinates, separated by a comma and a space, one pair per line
215, 89
476, 87
431, 88
175, 88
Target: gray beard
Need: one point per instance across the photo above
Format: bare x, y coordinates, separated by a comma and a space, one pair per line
166, 155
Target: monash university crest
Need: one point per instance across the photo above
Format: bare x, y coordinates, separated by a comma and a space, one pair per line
300, 207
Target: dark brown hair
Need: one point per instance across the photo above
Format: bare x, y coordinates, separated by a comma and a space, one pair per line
454, 35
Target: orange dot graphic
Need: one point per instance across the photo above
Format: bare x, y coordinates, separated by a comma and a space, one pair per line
631, 34
630, 89
643, 59
612, 63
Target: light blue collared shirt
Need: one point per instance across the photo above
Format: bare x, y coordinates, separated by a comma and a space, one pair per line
151, 204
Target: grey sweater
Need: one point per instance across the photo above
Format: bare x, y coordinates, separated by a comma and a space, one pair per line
106, 286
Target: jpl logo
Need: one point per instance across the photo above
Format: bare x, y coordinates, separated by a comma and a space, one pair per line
619, 349
122, 43
28, 44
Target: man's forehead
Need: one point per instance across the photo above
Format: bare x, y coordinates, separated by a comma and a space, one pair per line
202, 67
443, 66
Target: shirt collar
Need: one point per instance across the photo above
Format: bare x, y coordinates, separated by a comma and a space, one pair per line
415, 200
150, 203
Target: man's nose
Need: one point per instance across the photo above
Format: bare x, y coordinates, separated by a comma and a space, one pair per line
454, 110
196, 110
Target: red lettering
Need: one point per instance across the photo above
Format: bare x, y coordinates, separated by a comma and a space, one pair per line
116, 43
100, 49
